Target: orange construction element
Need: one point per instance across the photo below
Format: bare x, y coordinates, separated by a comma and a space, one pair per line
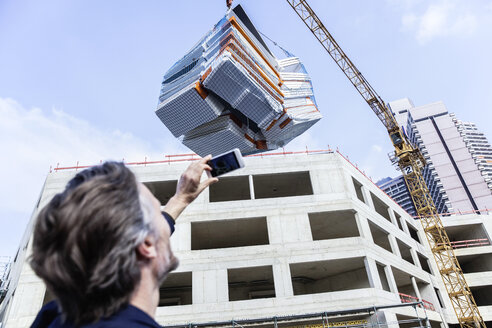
284, 123
207, 72
259, 144
249, 138
243, 56
271, 125
252, 75
287, 108
234, 23
230, 40
276, 120
201, 90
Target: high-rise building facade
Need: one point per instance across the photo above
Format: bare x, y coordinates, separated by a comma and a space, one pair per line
479, 147
287, 235
397, 189
455, 175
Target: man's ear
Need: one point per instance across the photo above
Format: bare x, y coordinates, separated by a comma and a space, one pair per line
147, 249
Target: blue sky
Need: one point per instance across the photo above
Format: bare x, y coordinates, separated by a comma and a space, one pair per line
79, 80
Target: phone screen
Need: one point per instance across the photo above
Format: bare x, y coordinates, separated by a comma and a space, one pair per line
223, 164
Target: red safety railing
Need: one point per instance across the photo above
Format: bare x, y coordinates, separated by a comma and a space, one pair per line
191, 157
482, 211
404, 298
470, 243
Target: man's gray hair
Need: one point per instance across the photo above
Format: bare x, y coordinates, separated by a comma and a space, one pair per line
85, 240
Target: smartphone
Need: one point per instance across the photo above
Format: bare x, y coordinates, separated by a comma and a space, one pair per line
225, 163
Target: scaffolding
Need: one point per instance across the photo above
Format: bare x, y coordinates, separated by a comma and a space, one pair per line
368, 317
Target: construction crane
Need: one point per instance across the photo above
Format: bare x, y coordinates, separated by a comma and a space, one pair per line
410, 161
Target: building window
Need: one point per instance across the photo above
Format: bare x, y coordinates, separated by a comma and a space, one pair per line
176, 289
424, 263
250, 283
439, 297
358, 189
403, 282
329, 276
476, 263
282, 185
482, 295
404, 251
379, 236
380, 207
413, 233
229, 233
383, 277
230, 188
469, 235
398, 221
334, 224
162, 190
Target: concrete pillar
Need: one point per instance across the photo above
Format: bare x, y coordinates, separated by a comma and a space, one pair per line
303, 227
181, 238
372, 273
210, 286
328, 181
367, 197
316, 178
363, 227
274, 227
392, 217
416, 288
391, 279
283, 280
251, 187
197, 295
222, 286
405, 226
391, 319
415, 258
394, 245
288, 228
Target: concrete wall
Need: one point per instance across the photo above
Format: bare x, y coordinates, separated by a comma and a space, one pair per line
480, 282
290, 242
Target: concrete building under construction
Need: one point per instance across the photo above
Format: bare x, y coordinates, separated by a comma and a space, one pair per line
290, 235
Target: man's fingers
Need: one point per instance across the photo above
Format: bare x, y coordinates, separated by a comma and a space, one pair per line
206, 167
205, 159
206, 183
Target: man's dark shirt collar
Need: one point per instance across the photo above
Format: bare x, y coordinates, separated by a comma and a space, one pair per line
129, 316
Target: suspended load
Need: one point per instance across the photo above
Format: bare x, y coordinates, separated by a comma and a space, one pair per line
230, 91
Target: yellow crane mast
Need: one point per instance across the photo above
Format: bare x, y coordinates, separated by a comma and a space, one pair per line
410, 161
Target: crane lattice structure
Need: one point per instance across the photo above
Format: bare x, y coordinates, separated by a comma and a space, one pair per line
410, 161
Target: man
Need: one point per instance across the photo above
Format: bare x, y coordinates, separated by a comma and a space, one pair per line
102, 247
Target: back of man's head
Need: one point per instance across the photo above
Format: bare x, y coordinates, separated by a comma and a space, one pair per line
85, 239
